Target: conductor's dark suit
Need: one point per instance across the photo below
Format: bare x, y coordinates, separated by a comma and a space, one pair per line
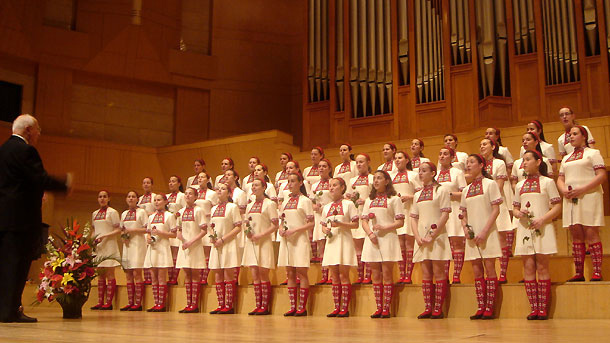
23, 181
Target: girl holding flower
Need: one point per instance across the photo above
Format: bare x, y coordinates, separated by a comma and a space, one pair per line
146, 203
175, 201
347, 168
206, 198
320, 196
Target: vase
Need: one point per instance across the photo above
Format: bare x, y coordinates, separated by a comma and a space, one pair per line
72, 306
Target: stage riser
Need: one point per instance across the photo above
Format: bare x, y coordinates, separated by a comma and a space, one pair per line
569, 301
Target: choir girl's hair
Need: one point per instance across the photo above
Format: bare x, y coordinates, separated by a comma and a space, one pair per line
234, 174
150, 178
349, 148
330, 167
499, 140
409, 164
451, 151
432, 167
341, 183
543, 169
585, 133
296, 164
389, 188
568, 107
231, 163
134, 192
209, 185
367, 157
537, 139
481, 160
496, 150
264, 166
320, 150
181, 187
287, 154
300, 178
263, 184
540, 128
201, 161
455, 138
193, 189
392, 146
258, 160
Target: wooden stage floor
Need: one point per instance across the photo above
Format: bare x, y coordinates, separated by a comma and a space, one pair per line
115, 326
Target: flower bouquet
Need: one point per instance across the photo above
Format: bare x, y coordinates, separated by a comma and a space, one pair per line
67, 273
530, 221
354, 198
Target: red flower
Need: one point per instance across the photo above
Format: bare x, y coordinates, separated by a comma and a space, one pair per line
40, 295
213, 225
433, 226
51, 297
68, 289
82, 276
57, 277
83, 248
528, 204
89, 271
460, 216
569, 188
371, 215
353, 187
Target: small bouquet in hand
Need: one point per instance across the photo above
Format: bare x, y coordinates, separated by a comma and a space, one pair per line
470, 233
125, 236
372, 219
214, 235
284, 222
329, 224
354, 198
530, 221
574, 200
317, 196
153, 239
249, 227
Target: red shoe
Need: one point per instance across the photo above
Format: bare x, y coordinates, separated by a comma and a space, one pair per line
217, 310
426, 314
357, 282
542, 315
290, 313
172, 282
192, 310
488, 315
343, 314
333, 313
255, 311
203, 282
262, 312
533, 315
97, 307
322, 282
329, 282
577, 278
477, 315
184, 309
136, 308
301, 313
385, 314
456, 281
285, 282
227, 310
367, 281
437, 315
377, 314
147, 282
596, 277
126, 308
107, 307
502, 279
407, 281
400, 281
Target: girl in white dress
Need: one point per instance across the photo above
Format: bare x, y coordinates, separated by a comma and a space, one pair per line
453, 179
459, 161
175, 201
295, 250
226, 164
133, 227
339, 218
536, 204
292, 167
106, 228
282, 176
383, 214
493, 133
359, 189
567, 118
224, 257
530, 141
198, 166
347, 169
161, 228
240, 199
480, 207
581, 175
206, 198
262, 223
388, 151
146, 203
320, 196
311, 173
191, 229
262, 172
252, 163
548, 151
417, 148
495, 166
429, 215
405, 181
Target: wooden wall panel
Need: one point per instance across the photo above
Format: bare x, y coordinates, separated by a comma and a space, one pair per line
403, 109
192, 121
495, 111
363, 131
597, 85
565, 95
462, 98
526, 96
433, 119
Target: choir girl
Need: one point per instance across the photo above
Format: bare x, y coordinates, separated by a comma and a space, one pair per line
459, 161
360, 188
175, 201
581, 175
133, 227
261, 171
161, 228
292, 167
252, 163
536, 204
295, 249
146, 203
347, 168
493, 134
311, 173
383, 214
282, 175
388, 151
417, 148
198, 166
262, 223
338, 219
190, 231
480, 206
106, 228
206, 198
496, 168
320, 196
224, 227
548, 151
452, 178
532, 142
567, 118
429, 215
226, 164
240, 199
405, 181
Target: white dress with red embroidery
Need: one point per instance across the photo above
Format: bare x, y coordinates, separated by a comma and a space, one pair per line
388, 166
454, 181
134, 252
321, 199
346, 171
459, 161
263, 214
340, 249
548, 151
416, 161
363, 185
406, 183
192, 221
175, 201
280, 177
311, 176
295, 250
225, 217
540, 193
497, 170
159, 254
477, 201
105, 221
564, 145
385, 211
192, 182
146, 203
508, 157
246, 183
579, 168
206, 198
219, 179
518, 173
428, 205
240, 199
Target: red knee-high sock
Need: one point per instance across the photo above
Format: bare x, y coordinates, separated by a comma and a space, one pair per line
303, 296
388, 291
130, 293
162, 296
402, 266
360, 269
481, 291
378, 292
447, 266
324, 275
531, 290
110, 291
257, 296
578, 252
597, 253
426, 288
189, 294
265, 295
367, 274
292, 296
458, 263
314, 249
346, 297
441, 292
492, 286
409, 261
230, 289
220, 294
544, 298
504, 263
147, 276
510, 239
173, 272
206, 272
101, 292
195, 291
337, 297
139, 294
155, 289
